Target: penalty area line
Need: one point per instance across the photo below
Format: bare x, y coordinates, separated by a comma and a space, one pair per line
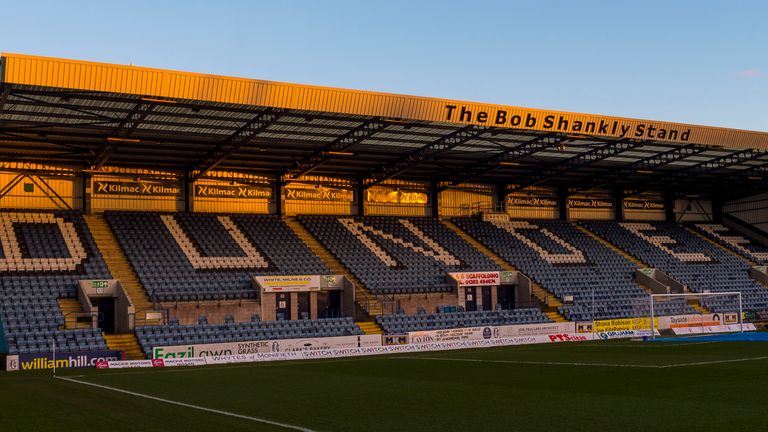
711, 362
614, 365
544, 363
186, 405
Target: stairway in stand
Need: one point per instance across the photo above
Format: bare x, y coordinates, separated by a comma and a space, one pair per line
550, 302
696, 304
611, 246
370, 327
120, 267
71, 309
126, 342
639, 264
363, 297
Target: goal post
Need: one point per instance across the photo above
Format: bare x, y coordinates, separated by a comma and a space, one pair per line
728, 305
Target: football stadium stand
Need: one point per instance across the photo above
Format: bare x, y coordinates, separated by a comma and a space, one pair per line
191, 185
570, 264
189, 257
43, 256
392, 255
687, 258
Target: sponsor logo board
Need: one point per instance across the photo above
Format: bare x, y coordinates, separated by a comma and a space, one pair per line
488, 332
372, 350
477, 278
289, 283
536, 329
532, 201
626, 334
692, 320
12, 363
264, 346
311, 193
722, 328
401, 339
136, 188
622, 324
235, 192
584, 327
65, 360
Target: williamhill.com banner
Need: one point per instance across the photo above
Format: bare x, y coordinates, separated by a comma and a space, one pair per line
64, 360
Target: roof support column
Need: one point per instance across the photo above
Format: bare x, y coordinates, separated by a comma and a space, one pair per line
717, 208
188, 190
618, 204
669, 206
278, 196
87, 190
562, 202
434, 198
360, 195
501, 197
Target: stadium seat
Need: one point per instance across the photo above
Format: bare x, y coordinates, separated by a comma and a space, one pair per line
49, 253
395, 255
570, 264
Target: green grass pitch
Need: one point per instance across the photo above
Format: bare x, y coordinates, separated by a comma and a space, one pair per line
610, 386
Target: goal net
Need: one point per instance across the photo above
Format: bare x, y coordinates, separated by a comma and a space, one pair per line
695, 313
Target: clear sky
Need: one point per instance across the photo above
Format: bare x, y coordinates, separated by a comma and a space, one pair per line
703, 62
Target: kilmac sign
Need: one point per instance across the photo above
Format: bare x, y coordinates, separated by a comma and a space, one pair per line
237, 192
319, 194
135, 188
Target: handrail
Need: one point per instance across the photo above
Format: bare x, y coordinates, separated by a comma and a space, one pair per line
163, 311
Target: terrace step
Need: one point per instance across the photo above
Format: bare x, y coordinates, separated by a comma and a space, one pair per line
696, 304
71, 310
126, 342
120, 268
367, 301
555, 316
370, 327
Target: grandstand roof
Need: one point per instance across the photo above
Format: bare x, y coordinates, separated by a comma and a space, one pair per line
89, 115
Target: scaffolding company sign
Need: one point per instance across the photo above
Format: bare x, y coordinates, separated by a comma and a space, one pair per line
477, 278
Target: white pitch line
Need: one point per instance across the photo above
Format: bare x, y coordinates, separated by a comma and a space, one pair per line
166, 370
746, 359
619, 365
186, 405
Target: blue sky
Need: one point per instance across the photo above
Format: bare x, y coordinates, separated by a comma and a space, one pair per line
703, 62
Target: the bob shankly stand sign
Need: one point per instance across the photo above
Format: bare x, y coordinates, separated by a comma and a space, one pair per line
567, 123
